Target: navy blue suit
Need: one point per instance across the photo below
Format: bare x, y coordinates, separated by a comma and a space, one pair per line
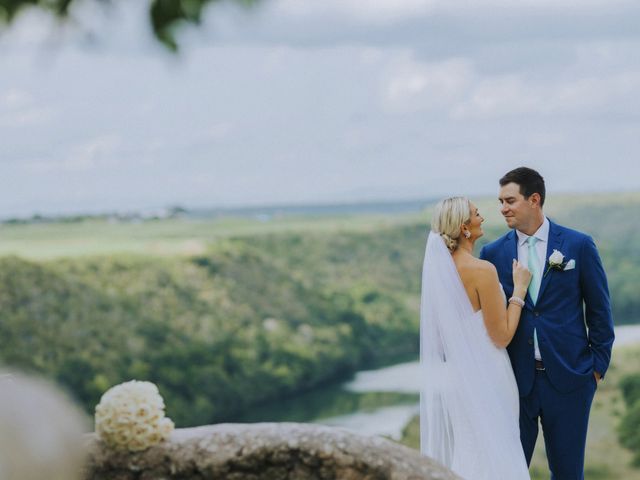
568, 302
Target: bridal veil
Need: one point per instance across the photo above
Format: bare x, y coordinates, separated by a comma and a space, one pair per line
468, 396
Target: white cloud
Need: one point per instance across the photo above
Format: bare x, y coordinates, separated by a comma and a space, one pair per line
371, 56
15, 98
93, 154
461, 90
25, 117
31, 28
413, 85
390, 11
440, 25
219, 131
98, 151
544, 139
18, 109
375, 11
509, 95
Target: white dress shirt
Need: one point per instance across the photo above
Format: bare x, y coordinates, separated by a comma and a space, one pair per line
542, 234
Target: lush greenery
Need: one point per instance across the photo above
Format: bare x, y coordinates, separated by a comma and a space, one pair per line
629, 431
250, 320
227, 313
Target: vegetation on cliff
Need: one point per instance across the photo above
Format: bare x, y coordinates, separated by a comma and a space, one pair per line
246, 322
252, 310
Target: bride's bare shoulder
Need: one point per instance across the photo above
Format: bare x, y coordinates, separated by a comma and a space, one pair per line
475, 271
482, 265
484, 270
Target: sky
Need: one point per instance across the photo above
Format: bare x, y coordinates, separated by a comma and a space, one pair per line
317, 101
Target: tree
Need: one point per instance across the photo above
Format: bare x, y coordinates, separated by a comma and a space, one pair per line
628, 432
164, 15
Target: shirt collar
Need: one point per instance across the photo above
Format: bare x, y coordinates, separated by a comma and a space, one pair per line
542, 234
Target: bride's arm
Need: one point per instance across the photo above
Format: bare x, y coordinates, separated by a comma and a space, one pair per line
501, 323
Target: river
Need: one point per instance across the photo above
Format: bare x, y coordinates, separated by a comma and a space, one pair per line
374, 402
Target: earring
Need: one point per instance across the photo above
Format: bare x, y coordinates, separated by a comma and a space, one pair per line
467, 234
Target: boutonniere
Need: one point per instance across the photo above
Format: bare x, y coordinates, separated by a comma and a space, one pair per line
556, 261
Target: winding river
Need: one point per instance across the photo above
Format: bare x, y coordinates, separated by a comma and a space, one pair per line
374, 402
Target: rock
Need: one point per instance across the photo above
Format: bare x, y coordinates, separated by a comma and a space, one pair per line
264, 451
41, 430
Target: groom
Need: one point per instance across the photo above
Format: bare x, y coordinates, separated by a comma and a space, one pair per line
562, 346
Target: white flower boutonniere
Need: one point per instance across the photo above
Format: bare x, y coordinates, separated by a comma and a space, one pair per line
556, 261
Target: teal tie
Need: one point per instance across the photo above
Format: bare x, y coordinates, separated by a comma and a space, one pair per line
534, 268
534, 285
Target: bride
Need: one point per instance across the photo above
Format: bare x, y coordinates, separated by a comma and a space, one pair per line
468, 399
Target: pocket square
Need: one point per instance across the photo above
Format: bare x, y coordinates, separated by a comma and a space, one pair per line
571, 264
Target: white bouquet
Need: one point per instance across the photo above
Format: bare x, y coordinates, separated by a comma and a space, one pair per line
131, 416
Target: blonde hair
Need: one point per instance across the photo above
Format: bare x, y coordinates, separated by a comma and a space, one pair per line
448, 216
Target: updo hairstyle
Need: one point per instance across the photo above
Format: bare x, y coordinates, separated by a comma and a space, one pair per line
448, 216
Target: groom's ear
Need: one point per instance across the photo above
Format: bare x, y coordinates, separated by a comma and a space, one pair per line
534, 199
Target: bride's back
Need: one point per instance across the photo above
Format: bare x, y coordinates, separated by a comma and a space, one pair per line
470, 269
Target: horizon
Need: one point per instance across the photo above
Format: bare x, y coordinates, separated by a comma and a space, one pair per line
254, 209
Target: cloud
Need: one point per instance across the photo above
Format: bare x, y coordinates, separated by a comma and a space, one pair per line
25, 118
18, 109
376, 11
437, 26
31, 28
381, 12
412, 85
93, 154
14, 98
461, 89
218, 131
510, 95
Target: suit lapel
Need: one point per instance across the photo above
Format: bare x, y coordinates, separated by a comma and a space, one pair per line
511, 249
510, 252
554, 243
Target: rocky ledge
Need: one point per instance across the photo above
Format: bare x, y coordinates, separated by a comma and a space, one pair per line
261, 451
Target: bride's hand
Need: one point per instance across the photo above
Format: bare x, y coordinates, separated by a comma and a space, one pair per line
521, 277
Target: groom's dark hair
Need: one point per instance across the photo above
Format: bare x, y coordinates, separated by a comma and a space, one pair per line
528, 180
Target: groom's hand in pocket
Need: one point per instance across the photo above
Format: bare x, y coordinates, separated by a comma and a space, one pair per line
598, 376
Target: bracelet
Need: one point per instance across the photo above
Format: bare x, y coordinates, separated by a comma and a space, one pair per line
517, 301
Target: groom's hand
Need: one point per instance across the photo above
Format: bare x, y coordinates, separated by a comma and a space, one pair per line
598, 376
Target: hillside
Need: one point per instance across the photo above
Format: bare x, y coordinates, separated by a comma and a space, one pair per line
217, 332
249, 310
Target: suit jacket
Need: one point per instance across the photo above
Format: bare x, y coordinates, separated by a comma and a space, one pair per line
568, 302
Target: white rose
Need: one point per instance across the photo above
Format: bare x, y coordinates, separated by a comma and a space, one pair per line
165, 427
556, 258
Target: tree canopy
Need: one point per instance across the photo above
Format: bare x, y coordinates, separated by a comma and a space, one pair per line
164, 15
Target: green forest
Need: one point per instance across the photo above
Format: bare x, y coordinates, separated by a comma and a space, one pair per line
255, 315
250, 320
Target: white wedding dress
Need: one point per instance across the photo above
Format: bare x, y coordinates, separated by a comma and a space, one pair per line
469, 403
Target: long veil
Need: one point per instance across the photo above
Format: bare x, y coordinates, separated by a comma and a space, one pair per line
468, 405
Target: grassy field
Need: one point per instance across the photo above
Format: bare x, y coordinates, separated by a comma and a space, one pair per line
191, 237
172, 236
606, 459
